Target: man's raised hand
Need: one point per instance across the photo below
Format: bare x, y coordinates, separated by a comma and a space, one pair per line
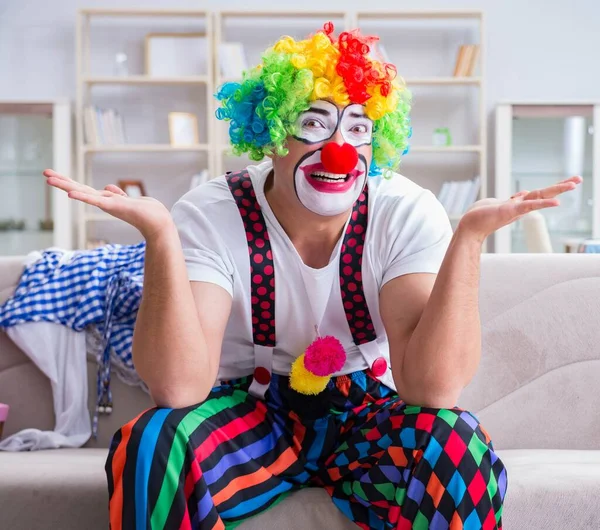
146, 214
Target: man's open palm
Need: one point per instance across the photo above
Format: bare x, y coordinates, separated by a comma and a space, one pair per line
146, 214
488, 215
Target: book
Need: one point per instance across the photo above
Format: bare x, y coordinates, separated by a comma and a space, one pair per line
457, 196
472, 193
103, 126
459, 61
443, 195
466, 60
451, 197
473, 60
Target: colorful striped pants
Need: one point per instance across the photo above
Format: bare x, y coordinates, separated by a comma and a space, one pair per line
385, 464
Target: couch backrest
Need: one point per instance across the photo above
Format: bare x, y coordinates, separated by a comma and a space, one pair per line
538, 383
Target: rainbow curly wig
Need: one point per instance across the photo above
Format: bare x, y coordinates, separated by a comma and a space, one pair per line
262, 110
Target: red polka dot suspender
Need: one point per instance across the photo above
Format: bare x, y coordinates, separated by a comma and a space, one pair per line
351, 285
262, 272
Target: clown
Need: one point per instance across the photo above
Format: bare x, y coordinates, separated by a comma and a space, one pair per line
310, 320
329, 116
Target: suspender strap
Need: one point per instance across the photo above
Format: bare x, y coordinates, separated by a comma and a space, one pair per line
262, 272
351, 285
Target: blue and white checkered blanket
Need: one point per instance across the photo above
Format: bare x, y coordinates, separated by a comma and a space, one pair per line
100, 287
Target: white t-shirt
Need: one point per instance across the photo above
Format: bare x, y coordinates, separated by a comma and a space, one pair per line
408, 232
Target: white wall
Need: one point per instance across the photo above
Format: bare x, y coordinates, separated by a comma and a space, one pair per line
535, 49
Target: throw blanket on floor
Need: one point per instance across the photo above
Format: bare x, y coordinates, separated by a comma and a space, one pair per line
100, 287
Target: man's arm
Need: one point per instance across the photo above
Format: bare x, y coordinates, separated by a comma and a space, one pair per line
433, 326
180, 326
434, 329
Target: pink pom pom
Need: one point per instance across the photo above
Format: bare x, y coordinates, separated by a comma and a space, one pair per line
324, 356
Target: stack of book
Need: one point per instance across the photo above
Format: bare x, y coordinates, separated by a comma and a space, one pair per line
457, 195
103, 126
466, 60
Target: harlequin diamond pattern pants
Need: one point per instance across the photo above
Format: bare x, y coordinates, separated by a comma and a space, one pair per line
385, 464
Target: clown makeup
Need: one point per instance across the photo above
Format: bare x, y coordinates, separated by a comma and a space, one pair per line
326, 193
321, 120
356, 128
318, 123
335, 157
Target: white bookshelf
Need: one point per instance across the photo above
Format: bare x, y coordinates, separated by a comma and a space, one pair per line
298, 23
88, 80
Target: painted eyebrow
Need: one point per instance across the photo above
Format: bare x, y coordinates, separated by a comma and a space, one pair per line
358, 115
322, 112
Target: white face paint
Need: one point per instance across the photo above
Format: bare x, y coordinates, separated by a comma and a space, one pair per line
321, 192
318, 123
325, 193
356, 128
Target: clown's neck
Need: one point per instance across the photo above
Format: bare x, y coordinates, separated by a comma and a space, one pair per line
314, 236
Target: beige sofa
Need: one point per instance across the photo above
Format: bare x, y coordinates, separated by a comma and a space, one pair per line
537, 392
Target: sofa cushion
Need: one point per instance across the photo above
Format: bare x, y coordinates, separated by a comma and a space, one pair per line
552, 489
546, 488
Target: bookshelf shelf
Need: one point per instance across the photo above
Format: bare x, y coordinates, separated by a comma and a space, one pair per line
87, 97
281, 14
147, 80
143, 12
143, 148
429, 14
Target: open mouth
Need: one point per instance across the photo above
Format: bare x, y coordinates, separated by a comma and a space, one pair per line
329, 177
325, 181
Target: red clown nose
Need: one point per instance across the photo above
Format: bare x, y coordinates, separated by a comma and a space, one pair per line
339, 158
